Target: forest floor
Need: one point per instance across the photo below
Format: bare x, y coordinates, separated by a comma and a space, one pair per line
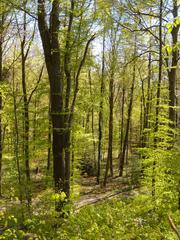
92, 193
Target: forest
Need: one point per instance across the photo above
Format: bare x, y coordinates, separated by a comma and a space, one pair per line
89, 119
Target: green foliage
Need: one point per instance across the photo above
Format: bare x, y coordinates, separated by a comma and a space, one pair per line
143, 216
125, 218
173, 24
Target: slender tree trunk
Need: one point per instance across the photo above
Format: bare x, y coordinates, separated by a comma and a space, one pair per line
92, 119
16, 139
146, 125
173, 70
1, 104
147, 107
142, 115
49, 139
158, 94
34, 125
125, 144
100, 120
111, 107
25, 114
72, 156
25, 108
67, 161
67, 69
172, 75
109, 163
122, 121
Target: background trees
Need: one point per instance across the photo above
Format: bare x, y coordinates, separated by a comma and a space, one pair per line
96, 82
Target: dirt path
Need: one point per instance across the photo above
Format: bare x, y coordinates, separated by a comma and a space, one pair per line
92, 193
92, 199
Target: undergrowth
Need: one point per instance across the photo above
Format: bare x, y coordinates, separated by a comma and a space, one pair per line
136, 217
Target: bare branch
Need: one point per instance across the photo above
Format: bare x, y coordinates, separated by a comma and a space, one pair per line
37, 84
173, 226
78, 74
18, 7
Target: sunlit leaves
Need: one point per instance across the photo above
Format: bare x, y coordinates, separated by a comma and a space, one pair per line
173, 24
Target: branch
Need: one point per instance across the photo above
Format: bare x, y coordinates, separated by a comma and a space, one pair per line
20, 8
43, 29
37, 84
137, 56
30, 41
173, 226
78, 74
84, 57
67, 56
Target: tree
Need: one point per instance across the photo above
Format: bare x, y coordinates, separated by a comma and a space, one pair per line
172, 67
126, 137
100, 120
3, 28
50, 41
1, 79
61, 110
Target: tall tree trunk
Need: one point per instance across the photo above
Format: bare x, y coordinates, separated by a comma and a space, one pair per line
124, 148
67, 69
61, 111
158, 93
147, 106
172, 76
100, 120
25, 102
34, 125
109, 162
26, 123
16, 138
173, 70
125, 144
92, 119
122, 121
72, 156
24, 55
49, 139
142, 114
1, 105
111, 107
50, 42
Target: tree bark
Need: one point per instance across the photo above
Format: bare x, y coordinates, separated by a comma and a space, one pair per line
111, 107
61, 110
1, 105
67, 69
50, 42
16, 138
25, 112
109, 163
173, 70
100, 120
122, 119
49, 139
158, 94
92, 119
147, 105
125, 144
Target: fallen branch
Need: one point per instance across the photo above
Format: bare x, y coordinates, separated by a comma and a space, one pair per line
173, 226
97, 199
